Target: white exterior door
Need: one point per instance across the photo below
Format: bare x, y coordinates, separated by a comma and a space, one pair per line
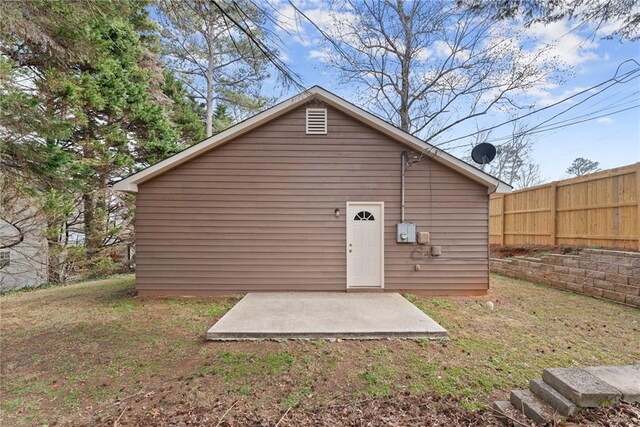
365, 244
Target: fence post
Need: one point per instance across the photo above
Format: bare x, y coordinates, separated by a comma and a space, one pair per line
503, 223
554, 212
638, 202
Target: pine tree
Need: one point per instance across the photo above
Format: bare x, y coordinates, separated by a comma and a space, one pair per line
582, 166
80, 116
217, 63
221, 119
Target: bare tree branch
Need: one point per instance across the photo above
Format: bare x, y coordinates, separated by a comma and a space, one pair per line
429, 67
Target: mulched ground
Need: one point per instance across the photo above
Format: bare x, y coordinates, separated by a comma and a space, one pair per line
397, 410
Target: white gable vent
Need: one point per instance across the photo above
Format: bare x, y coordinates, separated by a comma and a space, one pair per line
316, 121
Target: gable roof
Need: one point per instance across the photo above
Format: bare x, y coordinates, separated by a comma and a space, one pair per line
493, 184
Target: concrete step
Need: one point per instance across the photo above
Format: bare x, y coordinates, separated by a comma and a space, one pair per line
547, 393
503, 410
581, 387
626, 379
533, 407
508, 415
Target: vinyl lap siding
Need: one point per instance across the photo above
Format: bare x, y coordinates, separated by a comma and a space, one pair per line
257, 214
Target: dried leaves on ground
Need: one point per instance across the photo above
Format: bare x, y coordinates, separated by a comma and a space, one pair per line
397, 410
94, 352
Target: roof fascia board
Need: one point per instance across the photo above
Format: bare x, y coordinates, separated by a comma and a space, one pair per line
130, 184
494, 185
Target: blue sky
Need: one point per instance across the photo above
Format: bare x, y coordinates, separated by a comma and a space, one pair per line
613, 140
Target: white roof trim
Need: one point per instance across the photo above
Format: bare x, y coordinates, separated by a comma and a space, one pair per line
494, 185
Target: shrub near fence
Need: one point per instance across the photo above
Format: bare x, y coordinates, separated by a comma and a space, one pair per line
600, 209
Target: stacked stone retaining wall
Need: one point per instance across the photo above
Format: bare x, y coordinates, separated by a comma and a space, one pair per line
612, 275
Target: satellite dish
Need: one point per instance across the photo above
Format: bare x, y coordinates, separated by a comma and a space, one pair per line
483, 153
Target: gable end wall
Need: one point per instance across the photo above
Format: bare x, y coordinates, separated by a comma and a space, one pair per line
257, 214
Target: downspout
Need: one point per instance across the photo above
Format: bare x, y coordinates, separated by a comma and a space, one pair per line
403, 159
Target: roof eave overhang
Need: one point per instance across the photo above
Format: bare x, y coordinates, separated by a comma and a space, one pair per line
130, 184
494, 185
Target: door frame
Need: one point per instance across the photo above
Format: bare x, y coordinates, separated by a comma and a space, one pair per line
346, 244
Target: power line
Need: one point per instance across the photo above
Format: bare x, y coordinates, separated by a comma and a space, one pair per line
615, 79
585, 120
575, 105
570, 121
553, 127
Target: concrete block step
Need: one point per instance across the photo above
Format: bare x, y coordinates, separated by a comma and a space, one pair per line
581, 387
533, 407
507, 414
626, 379
550, 395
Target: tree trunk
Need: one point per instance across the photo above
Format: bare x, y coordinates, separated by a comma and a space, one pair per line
209, 113
89, 220
55, 272
405, 119
209, 79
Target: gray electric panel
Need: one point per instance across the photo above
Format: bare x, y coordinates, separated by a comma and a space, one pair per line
406, 233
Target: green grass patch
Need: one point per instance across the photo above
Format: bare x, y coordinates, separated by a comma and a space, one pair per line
217, 309
237, 365
379, 380
70, 352
410, 297
124, 307
123, 279
294, 398
423, 342
441, 303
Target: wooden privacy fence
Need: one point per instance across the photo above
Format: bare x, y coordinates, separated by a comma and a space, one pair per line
600, 209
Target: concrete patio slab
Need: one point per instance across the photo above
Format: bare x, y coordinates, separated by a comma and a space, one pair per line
624, 378
278, 315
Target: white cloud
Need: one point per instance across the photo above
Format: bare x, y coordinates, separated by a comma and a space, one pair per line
442, 48
322, 55
604, 120
290, 21
423, 54
320, 13
559, 43
563, 43
545, 98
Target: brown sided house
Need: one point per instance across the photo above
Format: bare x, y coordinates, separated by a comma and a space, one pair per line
308, 196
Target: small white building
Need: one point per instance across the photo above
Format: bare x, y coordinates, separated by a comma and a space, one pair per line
23, 251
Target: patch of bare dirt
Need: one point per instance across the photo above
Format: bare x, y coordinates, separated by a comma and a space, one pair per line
508, 251
93, 353
397, 410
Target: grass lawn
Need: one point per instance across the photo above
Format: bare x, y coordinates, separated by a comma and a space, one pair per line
94, 353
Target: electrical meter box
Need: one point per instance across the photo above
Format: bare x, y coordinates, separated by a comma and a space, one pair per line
406, 233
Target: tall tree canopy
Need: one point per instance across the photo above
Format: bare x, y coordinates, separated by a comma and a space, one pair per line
216, 62
429, 67
611, 18
85, 102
